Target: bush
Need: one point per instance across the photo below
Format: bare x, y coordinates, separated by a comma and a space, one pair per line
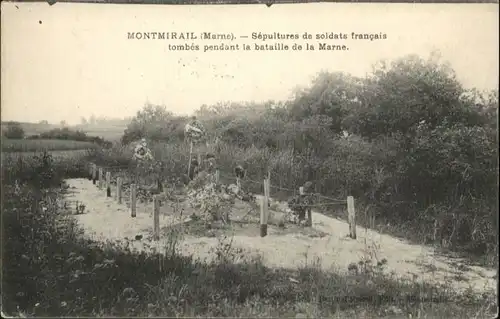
67, 134
155, 123
14, 131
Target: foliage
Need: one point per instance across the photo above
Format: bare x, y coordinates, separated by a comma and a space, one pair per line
331, 95
14, 130
68, 134
206, 198
38, 170
28, 145
155, 123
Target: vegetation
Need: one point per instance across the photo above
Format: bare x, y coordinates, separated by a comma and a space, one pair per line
30, 128
14, 130
104, 129
420, 156
67, 134
106, 132
110, 129
48, 269
37, 145
157, 124
58, 139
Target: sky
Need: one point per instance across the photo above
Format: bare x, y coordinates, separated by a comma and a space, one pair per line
70, 60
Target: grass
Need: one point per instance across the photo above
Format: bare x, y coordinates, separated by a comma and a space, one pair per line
9, 145
49, 269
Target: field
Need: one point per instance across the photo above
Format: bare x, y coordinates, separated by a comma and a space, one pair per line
108, 132
9, 145
6, 156
35, 128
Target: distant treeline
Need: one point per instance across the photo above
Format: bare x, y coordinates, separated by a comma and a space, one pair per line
67, 134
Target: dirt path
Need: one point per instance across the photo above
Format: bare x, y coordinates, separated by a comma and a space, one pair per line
105, 219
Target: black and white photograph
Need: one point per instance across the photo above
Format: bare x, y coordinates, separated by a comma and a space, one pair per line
267, 160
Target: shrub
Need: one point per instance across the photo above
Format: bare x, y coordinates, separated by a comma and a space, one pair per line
14, 130
67, 134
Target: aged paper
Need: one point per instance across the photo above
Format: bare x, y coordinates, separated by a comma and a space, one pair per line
295, 160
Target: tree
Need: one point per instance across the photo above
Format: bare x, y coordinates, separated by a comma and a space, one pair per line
331, 95
398, 97
14, 131
153, 122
